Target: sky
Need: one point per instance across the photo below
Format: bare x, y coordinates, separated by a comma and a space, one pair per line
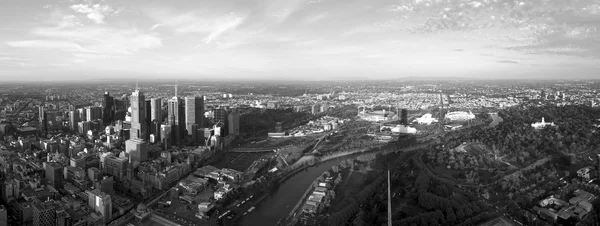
299, 39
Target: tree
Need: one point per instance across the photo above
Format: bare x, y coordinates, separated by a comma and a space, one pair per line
450, 216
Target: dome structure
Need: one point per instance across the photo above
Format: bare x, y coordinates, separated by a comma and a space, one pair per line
141, 208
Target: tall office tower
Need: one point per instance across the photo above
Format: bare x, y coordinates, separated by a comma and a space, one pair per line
81, 112
73, 119
155, 129
221, 115
165, 134
93, 113
108, 108
234, 123
104, 206
194, 113
404, 117
195, 135
43, 118
148, 111
139, 128
156, 109
176, 116
137, 150
44, 214
54, 174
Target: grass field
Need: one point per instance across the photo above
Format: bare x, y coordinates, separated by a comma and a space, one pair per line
240, 161
271, 143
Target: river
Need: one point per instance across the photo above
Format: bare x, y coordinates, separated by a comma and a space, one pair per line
496, 119
281, 201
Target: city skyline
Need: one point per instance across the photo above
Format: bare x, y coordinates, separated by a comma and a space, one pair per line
305, 39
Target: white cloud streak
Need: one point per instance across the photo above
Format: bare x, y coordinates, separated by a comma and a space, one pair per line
96, 12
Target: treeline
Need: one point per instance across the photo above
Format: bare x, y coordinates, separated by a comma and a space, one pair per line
259, 122
343, 216
576, 132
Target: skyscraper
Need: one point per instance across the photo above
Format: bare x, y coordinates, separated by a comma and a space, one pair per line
73, 119
148, 111
137, 150
108, 108
93, 113
139, 129
82, 116
104, 206
234, 123
194, 113
221, 115
156, 109
43, 118
54, 174
176, 116
44, 214
404, 117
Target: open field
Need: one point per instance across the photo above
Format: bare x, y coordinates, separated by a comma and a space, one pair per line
271, 143
240, 161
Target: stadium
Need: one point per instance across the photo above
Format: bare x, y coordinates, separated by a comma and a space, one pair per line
459, 116
377, 116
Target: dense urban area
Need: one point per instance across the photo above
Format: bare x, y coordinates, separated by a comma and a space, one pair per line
454, 152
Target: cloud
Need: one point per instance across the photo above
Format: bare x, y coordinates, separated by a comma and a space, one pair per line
69, 21
104, 40
223, 26
47, 44
94, 12
154, 27
212, 26
508, 61
12, 59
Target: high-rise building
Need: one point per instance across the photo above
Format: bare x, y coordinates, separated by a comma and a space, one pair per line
137, 150
43, 118
100, 202
81, 112
165, 134
221, 115
54, 174
104, 206
108, 108
234, 123
93, 113
44, 214
404, 117
107, 185
73, 119
194, 113
84, 127
139, 128
115, 166
176, 116
148, 111
155, 129
156, 109
196, 139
